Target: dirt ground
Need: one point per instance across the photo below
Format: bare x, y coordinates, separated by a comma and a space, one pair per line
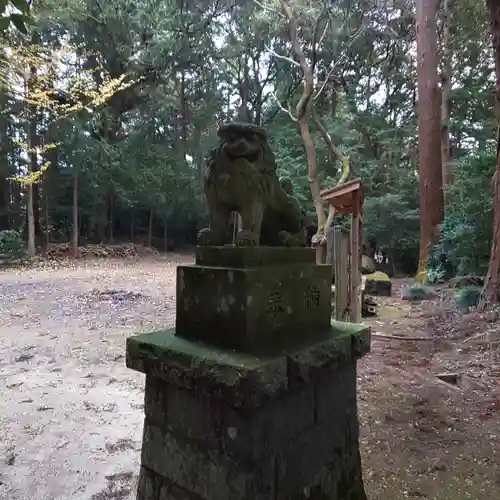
71, 413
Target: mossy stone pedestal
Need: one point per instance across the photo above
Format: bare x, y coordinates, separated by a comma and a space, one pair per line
252, 298
265, 411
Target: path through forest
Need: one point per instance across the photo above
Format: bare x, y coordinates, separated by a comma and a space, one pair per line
71, 412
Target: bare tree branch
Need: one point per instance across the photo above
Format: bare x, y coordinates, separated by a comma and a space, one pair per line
355, 37
316, 43
266, 7
303, 103
284, 58
291, 90
282, 108
320, 41
325, 134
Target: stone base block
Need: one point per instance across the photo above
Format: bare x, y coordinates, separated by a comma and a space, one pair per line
233, 298
222, 425
380, 288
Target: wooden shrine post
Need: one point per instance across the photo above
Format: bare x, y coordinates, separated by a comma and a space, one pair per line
348, 198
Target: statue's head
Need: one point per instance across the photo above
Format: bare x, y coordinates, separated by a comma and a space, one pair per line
242, 140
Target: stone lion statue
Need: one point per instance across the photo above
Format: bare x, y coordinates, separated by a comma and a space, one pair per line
242, 177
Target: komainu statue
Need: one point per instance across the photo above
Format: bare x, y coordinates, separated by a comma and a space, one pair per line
242, 177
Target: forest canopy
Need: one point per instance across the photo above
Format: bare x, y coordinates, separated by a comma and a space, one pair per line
110, 107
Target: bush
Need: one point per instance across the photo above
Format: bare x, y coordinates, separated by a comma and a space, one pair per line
12, 246
416, 293
465, 234
467, 298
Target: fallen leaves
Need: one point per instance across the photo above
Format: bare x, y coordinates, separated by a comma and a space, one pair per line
101, 250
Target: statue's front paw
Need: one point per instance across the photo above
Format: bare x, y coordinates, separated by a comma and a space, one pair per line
286, 239
246, 238
205, 237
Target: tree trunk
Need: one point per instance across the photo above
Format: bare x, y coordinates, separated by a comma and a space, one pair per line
4, 204
150, 229
312, 173
30, 208
429, 130
183, 105
111, 219
36, 207
165, 236
302, 110
75, 215
491, 290
244, 114
31, 222
33, 142
46, 221
4, 165
445, 101
33, 212
50, 156
17, 215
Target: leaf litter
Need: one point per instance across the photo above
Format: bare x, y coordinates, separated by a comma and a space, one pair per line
432, 407
71, 413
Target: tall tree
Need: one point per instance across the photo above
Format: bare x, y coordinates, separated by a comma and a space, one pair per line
429, 130
446, 68
491, 291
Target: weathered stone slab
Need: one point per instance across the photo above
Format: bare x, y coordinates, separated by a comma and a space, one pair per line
153, 486
206, 473
379, 288
208, 419
247, 257
244, 379
264, 431
195, 415
251, 308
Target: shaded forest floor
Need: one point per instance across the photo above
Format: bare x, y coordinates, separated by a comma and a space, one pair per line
71, 413
422, 437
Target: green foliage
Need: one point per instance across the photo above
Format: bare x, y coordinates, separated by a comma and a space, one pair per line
14, 13
135, 150
393, 222
467, 297
12, 246
465, 234
415, 293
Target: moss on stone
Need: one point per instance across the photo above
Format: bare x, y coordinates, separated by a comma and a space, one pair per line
245, 379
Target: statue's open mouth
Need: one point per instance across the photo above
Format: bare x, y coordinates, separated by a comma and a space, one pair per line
252, 156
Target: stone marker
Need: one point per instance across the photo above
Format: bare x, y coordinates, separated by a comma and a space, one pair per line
378, 283
252, 297
252, 395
